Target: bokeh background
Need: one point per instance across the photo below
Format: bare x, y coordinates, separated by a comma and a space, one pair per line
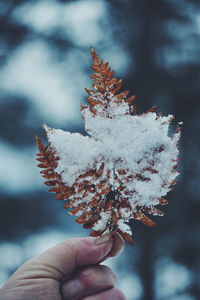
44, 67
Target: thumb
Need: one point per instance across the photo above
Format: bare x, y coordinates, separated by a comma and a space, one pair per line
61, 260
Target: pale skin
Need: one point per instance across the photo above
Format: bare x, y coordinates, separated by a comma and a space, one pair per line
70, 270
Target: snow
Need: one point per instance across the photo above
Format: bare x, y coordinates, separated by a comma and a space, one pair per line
101, 224
75, 151
134, 143
123, 226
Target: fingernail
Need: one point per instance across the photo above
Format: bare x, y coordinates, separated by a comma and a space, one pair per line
103, 239
73, 288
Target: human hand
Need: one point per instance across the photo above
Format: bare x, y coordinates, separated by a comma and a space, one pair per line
70, 270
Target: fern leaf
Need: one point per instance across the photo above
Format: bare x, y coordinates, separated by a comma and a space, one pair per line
122, 169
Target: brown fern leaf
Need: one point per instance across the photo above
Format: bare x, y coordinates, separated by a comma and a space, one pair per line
105, 83
122, 169
49, 161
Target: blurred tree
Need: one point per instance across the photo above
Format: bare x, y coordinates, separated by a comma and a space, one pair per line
20, 222
155, 35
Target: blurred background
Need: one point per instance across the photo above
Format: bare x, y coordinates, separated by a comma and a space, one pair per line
44, 67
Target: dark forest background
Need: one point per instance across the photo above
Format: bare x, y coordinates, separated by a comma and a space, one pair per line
44, 67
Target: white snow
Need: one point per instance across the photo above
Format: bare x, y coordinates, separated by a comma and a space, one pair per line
101, 224
123, 142
124, 227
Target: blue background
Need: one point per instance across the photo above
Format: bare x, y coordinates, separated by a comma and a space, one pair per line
44, 68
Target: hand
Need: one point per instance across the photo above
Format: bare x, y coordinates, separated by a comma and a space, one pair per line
70, 270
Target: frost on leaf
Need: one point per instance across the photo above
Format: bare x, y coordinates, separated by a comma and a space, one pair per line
122, 169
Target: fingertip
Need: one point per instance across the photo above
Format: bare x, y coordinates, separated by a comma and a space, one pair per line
93, 250
118, 245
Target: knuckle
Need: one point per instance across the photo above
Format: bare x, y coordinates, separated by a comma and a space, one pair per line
109, 271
